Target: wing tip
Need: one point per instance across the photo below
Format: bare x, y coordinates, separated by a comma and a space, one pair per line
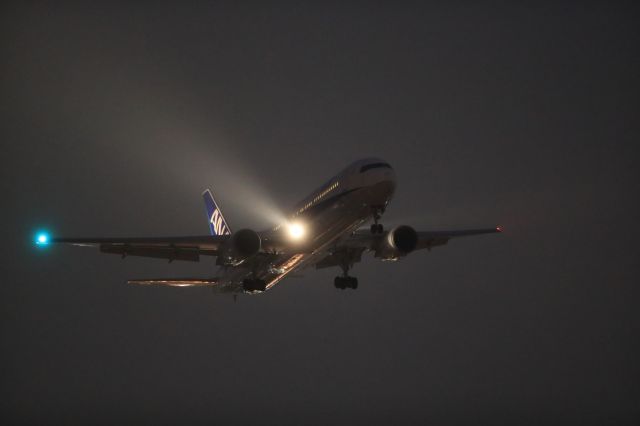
499, 228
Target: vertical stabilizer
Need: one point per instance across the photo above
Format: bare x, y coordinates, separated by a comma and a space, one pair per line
217, 224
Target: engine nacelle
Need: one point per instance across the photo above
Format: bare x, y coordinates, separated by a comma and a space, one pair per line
245, 243
242, 245
397, 243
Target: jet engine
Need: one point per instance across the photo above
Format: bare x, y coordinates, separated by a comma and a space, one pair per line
398, 242
245, 243
242, 245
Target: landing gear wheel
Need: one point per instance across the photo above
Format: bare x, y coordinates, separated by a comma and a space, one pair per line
345, 282
377, 228
353, 282
376, 212
251, 285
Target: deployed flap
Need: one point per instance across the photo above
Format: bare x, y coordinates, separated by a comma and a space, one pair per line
217, 224
169, 253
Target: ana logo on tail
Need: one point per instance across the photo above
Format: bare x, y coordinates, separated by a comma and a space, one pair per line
217, 222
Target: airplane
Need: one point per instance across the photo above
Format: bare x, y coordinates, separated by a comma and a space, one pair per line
321, 231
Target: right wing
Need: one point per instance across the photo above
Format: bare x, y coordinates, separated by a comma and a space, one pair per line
170, 248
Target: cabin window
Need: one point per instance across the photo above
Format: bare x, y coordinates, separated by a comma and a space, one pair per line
374, 166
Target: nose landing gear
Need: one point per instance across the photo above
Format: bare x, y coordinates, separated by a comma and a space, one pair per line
377, 228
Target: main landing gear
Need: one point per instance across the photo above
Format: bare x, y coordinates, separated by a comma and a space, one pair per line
377, 228
345, 281
251, 285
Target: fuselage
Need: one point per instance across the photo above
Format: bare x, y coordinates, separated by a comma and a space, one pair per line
333, 211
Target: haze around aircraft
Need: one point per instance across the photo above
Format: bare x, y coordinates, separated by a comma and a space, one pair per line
321, 231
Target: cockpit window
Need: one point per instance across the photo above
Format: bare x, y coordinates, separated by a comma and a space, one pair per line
374, 166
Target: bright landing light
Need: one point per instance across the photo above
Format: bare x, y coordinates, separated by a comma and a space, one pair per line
296, 231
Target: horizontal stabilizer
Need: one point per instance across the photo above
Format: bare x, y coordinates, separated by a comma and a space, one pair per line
177, 282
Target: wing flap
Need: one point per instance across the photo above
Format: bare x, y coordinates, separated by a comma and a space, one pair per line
169, 253
200, 241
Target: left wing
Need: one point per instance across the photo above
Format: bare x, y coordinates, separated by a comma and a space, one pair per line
349, 250
171, 248
430, 239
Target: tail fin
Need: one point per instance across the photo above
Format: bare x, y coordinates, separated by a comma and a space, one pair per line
217, 224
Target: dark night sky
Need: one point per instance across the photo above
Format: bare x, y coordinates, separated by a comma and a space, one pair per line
116, 117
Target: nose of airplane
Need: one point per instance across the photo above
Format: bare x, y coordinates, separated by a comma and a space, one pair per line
380, 176
380, 172
388, 181
388, 175
375, 173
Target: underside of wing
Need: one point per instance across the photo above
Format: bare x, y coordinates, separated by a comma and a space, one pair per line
388, 246
170, 248
428, 239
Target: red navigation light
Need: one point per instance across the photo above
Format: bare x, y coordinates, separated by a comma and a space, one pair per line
498, 228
